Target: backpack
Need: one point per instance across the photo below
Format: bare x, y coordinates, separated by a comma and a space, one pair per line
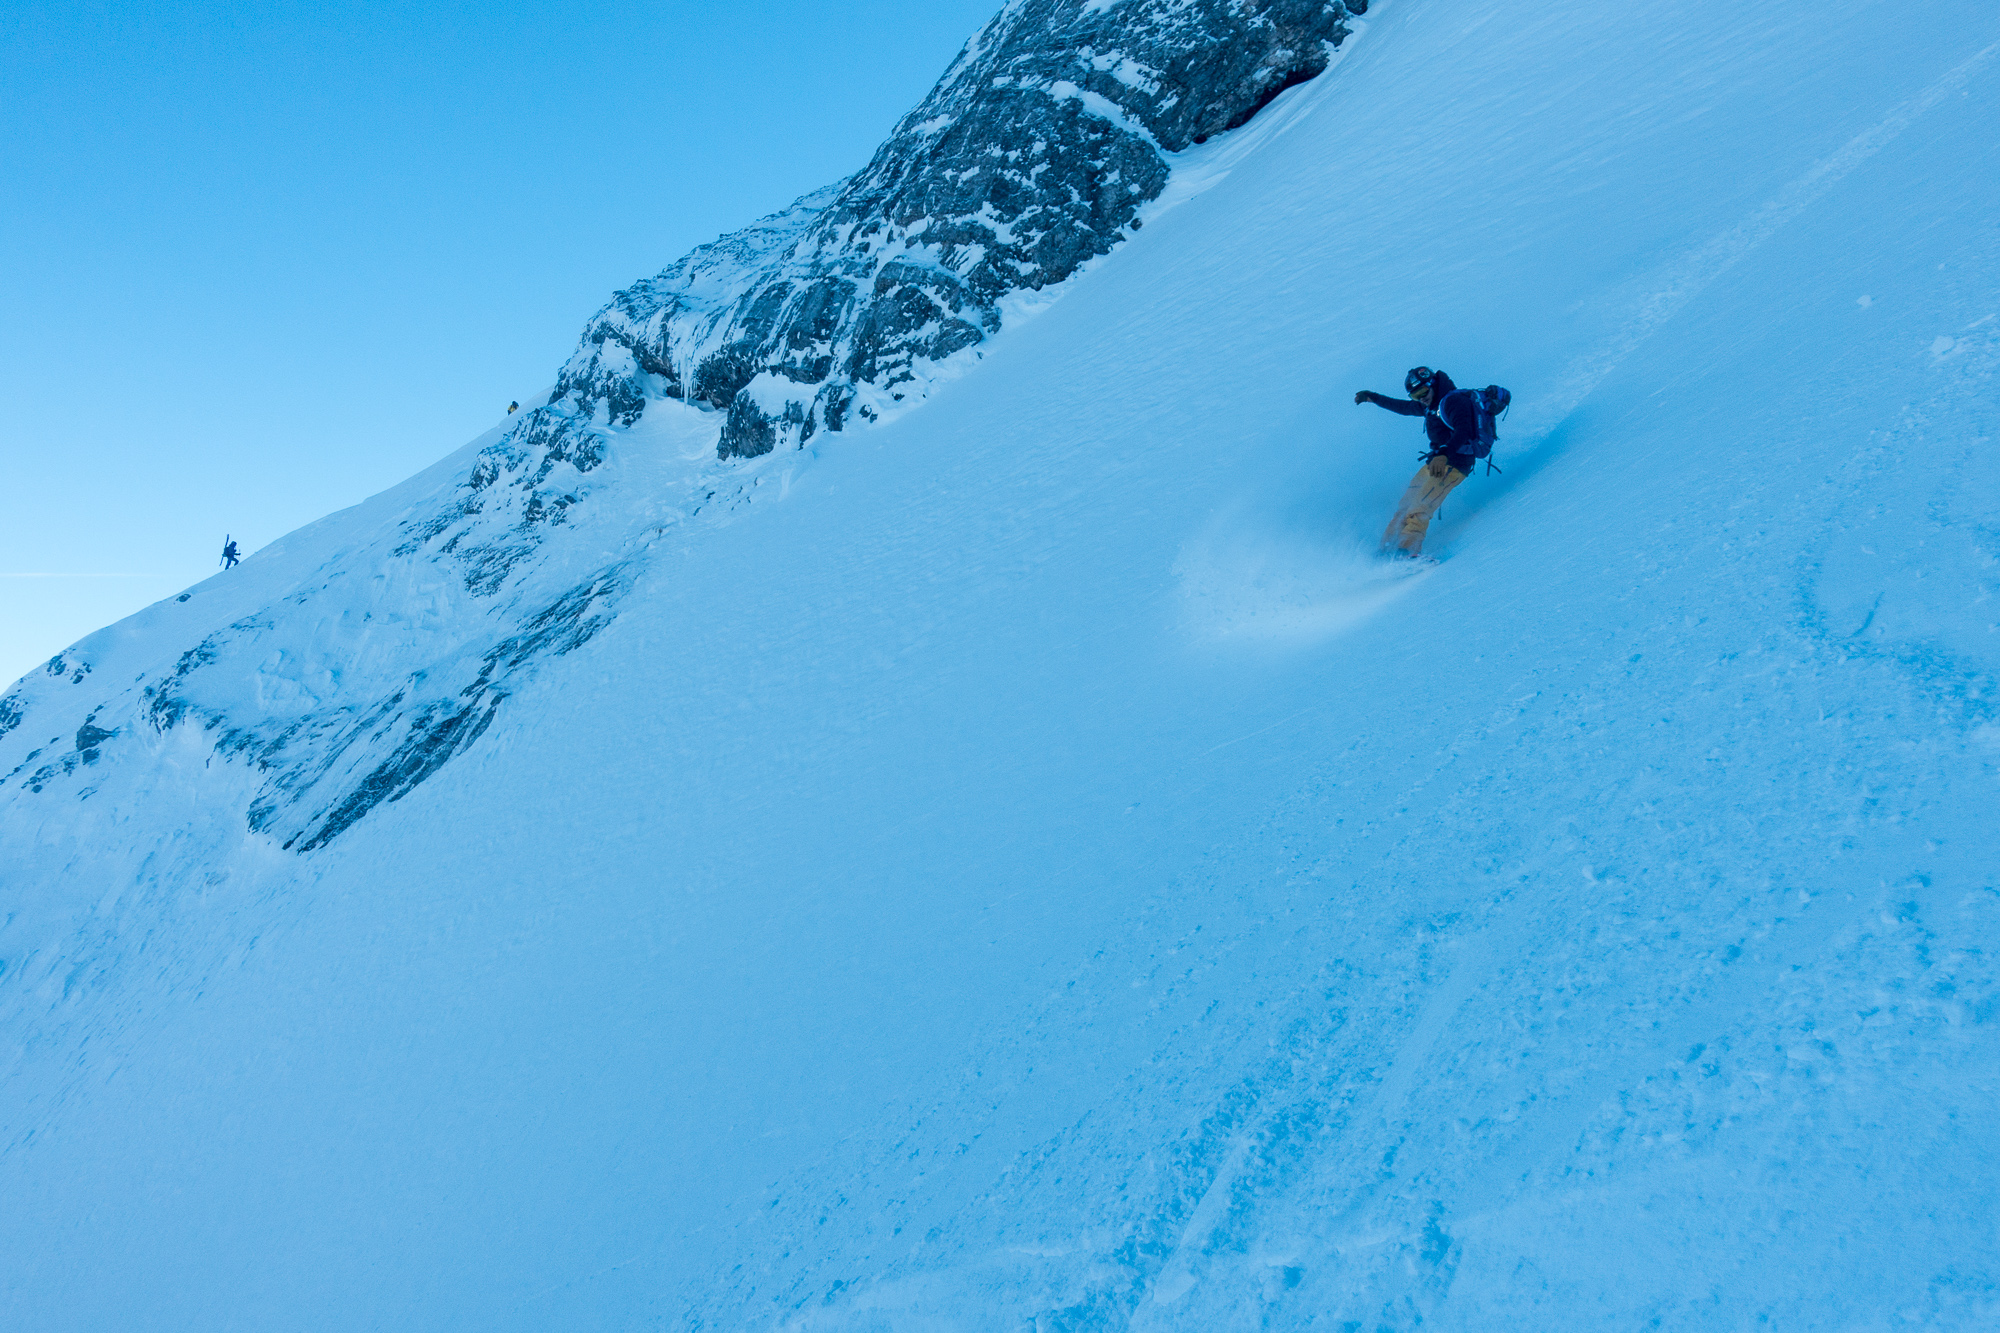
1482, 406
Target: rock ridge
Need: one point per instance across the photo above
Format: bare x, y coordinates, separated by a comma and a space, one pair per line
1032, 155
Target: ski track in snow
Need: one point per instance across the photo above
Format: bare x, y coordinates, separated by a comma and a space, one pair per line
1692, 274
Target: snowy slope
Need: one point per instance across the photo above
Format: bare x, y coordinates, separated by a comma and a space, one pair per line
1024, 866
375, 661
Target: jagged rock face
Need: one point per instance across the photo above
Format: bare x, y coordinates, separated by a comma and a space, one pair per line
1032, 155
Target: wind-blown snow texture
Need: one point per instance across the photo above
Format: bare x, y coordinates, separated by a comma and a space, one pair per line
1025, 866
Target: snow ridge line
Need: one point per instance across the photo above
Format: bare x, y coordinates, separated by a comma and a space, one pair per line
1723, 252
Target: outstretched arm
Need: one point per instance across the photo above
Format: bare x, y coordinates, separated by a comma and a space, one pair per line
1402, 407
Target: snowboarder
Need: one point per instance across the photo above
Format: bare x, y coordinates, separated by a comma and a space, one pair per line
1458, 426
512, 408
229, 560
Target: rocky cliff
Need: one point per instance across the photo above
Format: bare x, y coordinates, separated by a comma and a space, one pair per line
1032, 155
358, 671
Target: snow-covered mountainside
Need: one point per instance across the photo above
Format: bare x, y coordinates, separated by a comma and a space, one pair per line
1035, 153
1025, 864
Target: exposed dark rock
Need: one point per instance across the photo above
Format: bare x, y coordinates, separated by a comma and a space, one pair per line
438, 731
88, 737
48, 773
1031, 156
1036, 148
164, 705
433, 732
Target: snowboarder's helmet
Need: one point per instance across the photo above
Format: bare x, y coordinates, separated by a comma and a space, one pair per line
1418, 380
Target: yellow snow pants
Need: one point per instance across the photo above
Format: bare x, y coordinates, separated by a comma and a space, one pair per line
1428, 488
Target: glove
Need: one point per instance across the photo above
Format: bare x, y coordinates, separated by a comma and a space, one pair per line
1362, 397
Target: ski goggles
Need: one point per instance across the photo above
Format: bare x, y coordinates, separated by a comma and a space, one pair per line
1419, 380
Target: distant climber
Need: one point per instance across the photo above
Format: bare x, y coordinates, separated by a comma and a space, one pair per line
512, 408
229, 556
1458, 425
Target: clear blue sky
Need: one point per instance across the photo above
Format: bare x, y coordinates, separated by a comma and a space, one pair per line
259, 261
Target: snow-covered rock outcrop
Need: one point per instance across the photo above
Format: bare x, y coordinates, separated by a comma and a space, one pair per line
1032, 156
